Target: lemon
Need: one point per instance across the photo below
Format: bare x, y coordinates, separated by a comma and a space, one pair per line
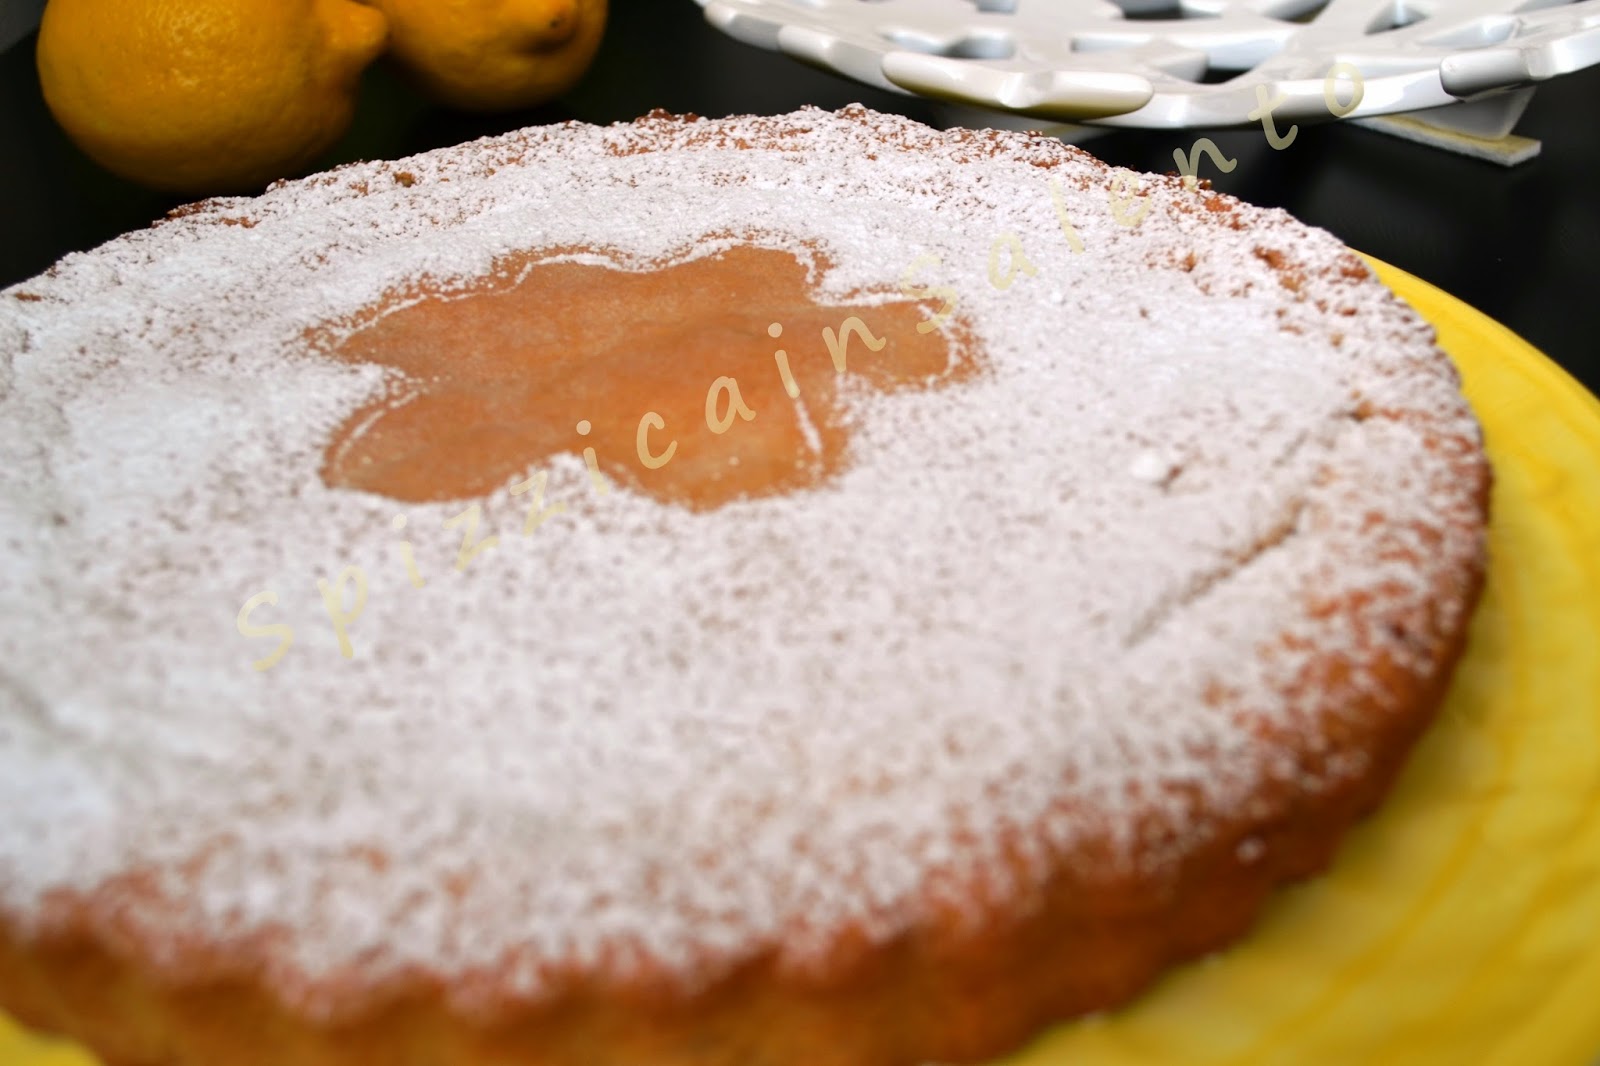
201, 96
495, 54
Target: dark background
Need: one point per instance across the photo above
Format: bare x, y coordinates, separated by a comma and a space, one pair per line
1520, 244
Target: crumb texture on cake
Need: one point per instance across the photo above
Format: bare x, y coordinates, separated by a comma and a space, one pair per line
1213, 493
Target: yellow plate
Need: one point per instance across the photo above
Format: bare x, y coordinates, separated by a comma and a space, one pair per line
1462, 924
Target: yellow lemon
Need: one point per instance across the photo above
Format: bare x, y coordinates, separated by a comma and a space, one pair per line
205, 95
492, 54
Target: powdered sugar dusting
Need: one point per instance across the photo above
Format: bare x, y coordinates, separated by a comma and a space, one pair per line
652, 736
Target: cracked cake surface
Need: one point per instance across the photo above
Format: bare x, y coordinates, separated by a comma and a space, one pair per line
1126, 603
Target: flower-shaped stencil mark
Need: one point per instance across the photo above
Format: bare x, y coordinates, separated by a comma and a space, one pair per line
498, 378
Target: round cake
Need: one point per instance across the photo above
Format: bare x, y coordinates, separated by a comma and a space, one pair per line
790, 591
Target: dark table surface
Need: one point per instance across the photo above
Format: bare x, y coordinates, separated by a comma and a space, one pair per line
1520, 244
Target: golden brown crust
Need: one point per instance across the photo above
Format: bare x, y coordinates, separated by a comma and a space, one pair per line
933, 995
539, 364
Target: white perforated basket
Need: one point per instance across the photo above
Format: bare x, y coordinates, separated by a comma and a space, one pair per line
1201, 63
